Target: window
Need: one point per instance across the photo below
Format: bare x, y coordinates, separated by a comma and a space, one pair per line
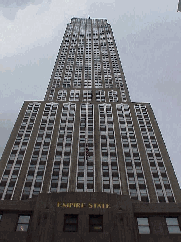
70, 223
95, 223
173, 226
143, 226
62, 94
23, 223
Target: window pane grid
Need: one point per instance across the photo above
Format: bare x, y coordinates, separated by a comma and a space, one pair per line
173, 226
23, 223
143, 226
70, 223
95, 223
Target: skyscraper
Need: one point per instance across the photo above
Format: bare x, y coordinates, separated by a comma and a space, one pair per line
87, 138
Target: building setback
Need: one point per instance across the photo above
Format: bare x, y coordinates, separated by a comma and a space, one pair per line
87, 164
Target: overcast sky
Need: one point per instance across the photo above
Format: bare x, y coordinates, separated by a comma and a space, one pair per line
148, 36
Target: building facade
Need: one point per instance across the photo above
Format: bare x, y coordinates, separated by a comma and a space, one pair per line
87, 164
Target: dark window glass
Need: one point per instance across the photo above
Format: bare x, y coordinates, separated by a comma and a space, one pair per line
95, 223
70, 223
173, 226
23, 223
143, 226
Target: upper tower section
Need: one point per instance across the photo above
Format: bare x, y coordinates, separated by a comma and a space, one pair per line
88, 65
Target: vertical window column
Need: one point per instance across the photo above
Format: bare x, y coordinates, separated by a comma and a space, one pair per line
157, 167
110, 169
108, 78
79, 58
70, 58
13, 167
97, 58
61, 62
85, 176
134, 170
37, 167
88, 58
62, 160
115, 64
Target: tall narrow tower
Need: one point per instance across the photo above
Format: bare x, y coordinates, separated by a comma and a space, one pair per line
87, 135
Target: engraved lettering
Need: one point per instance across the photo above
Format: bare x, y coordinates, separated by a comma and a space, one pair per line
107, 205
82, 205
77, 205
99, 205
64, 205
90, 205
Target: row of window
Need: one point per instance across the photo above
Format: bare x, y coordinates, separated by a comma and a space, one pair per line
96, 224
17, 154
61, 61
62, 159
135, 175
88, 58
79, 60
108, 78
85, 177
70, 58
115, 63
87, 95
110, 169
98, 77
22, 224
71, 223
172, 225
99, 22
116, 69
37, 166
158, 170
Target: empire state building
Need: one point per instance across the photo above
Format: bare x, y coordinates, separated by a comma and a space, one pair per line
87, 147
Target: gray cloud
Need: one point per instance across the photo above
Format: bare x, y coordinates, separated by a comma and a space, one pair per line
18, 3
9, 8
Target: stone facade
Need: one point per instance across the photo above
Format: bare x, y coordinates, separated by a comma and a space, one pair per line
119, 212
